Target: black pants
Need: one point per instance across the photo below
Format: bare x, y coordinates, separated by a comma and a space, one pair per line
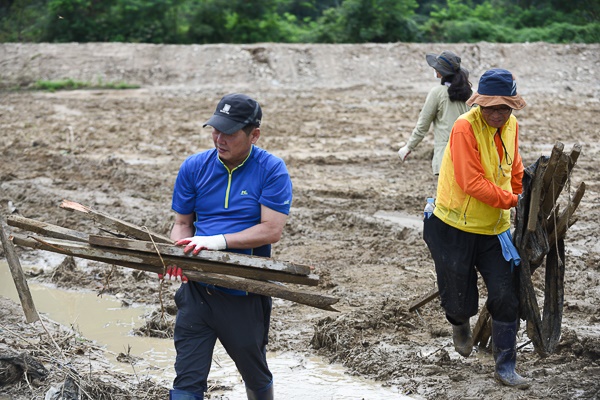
241, 323
458, 255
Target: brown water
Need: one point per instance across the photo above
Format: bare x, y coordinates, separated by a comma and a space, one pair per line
103, 320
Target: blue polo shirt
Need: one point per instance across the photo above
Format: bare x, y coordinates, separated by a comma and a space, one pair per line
227, 201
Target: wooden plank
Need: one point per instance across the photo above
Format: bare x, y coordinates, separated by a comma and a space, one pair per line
543, 238
557, 151
223, 257
566, 219
79, 249
554, 296
483, 328
573, 156
535, 197
140, 263
42, 228
124, 227
31, 314
530, 309
555, 186
424, 300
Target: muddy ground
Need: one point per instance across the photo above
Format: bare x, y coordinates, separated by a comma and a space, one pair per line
336, 114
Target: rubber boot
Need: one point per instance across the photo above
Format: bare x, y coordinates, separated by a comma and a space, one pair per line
463, 339
504, 347
267, 394
176, 394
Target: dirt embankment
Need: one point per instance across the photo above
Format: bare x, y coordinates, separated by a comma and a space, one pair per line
335, 113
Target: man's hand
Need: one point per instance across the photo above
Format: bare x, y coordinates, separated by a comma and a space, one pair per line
198, 243
403, 153
174, 273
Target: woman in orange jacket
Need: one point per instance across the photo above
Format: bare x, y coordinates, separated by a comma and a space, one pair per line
469, 231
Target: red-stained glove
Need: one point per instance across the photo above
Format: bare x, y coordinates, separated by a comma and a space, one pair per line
174, 273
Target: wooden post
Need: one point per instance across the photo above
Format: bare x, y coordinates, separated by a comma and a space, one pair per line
18, 276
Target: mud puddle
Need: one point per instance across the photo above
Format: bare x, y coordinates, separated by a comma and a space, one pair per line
109, 325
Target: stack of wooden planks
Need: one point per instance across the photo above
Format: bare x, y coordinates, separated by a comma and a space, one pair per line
136, 247
540, 229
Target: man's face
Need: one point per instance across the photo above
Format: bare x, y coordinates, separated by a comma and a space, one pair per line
496, 116
233, 149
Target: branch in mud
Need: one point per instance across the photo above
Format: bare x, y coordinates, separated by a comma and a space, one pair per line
31, 314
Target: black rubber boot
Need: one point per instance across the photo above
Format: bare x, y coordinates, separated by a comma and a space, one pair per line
176, 394
504, 347
462, 338
262, 395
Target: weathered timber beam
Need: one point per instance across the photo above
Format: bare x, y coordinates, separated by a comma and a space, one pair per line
232, 282
42, 228
79, 249
115, 223
560, 177
530, 310
557, 151
561, 230
16, 271
223, 257
555, 186
573, 156
482, 331
558, 228
535, 197
554, 295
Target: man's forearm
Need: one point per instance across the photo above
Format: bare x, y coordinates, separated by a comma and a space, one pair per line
181, 231
255, 236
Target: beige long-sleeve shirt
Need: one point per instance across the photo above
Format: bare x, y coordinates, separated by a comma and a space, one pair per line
441, 112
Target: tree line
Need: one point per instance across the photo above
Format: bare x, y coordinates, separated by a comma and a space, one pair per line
299, 21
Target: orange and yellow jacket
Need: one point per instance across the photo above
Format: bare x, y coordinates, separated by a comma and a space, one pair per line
481, 175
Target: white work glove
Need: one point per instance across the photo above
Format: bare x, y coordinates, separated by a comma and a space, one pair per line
197, 243
403, 153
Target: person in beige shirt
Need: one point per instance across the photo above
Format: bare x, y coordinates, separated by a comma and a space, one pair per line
443, 105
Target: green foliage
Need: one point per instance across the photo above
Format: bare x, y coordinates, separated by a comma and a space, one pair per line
503, 21
297, 21
470, 30
113, 20
241, 21
361, 21
147, 21
22, 20
561, 32
79, 21
70, 84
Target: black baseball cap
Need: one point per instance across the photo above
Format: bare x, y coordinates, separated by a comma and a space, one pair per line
234, 112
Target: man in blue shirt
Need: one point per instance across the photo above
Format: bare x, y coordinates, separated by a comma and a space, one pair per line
235, 197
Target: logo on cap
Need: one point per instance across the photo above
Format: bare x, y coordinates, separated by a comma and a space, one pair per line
226, 109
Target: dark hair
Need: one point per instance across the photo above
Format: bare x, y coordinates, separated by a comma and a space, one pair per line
460, 87
249, 128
